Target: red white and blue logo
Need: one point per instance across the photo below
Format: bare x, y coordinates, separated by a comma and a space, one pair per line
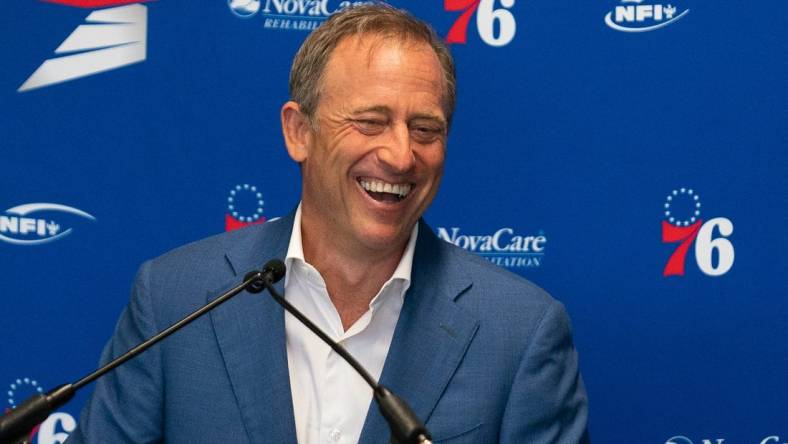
244, 207
110, 39
683, 225
495, 22
54, 429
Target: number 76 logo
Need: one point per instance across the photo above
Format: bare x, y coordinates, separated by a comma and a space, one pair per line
486, 17
685, 232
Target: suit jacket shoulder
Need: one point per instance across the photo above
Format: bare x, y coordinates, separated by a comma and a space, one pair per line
181, 276
215, 376
490, 292
483, 354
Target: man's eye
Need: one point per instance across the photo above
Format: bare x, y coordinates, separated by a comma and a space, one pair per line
369, 127
425, 134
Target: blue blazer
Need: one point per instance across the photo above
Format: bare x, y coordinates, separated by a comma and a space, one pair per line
480, 354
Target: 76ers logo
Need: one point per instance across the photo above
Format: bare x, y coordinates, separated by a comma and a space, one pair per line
487, 16
684, 226
241, 200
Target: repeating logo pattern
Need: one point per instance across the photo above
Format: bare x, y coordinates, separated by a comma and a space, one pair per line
20, 226
488, 19
681, 439
683, 225
54, 429
634, 16
298, 15
27, 386
503, 247
244, 207
244, 8
113, 38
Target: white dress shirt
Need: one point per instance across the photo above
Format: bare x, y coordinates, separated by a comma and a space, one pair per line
330, 399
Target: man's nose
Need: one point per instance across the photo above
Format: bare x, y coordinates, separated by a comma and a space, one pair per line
397, 151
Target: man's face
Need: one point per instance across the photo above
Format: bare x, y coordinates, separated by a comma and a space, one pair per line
375, 160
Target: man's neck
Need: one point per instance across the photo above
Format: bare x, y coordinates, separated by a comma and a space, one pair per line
352, 278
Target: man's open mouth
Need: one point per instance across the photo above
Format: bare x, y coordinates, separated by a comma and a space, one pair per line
385, 191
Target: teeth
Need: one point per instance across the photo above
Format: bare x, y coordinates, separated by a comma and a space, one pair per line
377, 186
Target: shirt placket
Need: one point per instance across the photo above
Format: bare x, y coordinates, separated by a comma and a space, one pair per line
333, 402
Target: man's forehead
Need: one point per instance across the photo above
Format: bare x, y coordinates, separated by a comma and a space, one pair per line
365, 50
359, 56
371, 41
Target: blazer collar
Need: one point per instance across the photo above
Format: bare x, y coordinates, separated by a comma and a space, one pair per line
250, 332
431, 337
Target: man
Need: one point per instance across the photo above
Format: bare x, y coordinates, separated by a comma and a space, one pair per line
480, 354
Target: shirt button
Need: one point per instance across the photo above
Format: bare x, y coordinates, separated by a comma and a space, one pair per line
334, 435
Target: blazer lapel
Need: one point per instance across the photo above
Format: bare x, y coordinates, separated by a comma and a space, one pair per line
250, 331
430, 339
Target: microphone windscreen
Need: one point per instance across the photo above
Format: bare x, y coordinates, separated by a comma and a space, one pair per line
277, 269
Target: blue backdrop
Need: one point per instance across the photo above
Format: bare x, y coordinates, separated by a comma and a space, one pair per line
641, 147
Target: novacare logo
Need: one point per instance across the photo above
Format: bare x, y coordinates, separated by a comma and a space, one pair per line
299, 15
504, 247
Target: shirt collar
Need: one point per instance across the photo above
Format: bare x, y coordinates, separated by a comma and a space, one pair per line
295, 252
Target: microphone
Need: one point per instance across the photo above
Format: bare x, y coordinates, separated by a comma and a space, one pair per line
406, 428
273, 271
18, 423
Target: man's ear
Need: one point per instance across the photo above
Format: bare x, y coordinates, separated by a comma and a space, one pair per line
296, 129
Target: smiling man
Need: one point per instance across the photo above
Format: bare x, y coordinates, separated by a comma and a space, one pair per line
481, 355
371, 156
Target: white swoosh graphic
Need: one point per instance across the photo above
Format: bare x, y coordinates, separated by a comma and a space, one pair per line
113, 38
609, 21
25, 209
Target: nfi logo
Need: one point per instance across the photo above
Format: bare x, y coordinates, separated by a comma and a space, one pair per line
681, 439
25, 225
634, 16
503, 247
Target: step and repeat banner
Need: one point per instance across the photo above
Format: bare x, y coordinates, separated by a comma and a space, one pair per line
629, 156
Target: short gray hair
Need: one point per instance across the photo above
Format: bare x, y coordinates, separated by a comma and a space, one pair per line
309, 64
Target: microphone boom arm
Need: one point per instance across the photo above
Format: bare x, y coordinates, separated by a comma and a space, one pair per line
17, 423
406, 428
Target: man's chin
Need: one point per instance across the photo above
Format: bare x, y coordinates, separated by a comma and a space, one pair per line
385, 238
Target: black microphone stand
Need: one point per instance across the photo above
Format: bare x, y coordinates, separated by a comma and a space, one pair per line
406, 428
17, 424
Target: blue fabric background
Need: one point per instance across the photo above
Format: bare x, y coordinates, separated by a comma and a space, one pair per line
573, 131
